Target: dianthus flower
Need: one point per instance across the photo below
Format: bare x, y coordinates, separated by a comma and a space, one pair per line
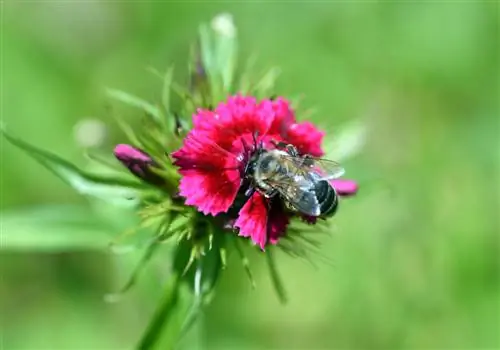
214, 158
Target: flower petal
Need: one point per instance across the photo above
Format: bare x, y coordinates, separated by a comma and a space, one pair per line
252, 219
256, 221
345, 187
306, 137
211, 175
210, 192
241, 115
283, 117
201, 152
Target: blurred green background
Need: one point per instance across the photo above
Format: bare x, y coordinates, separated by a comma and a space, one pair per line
415, 254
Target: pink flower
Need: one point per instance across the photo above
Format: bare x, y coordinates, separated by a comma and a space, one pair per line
216, 152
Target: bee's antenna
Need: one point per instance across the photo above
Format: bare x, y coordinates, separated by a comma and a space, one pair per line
254, 135
245, 147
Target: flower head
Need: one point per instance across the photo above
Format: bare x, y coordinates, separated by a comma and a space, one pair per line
214, 158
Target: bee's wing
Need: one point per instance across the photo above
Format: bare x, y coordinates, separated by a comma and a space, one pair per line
299, 194
325, 169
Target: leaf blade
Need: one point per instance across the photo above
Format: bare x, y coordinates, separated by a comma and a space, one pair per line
53, 229
112, 189
136, 102
275, 278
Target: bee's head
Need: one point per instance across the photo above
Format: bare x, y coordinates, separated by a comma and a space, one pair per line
253, 160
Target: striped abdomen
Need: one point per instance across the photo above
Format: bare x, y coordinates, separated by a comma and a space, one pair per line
327, 198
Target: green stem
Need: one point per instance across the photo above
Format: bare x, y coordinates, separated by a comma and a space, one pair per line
162, 317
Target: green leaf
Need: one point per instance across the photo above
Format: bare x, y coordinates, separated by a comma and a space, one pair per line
203, 279
218, 46
348, 143
244, 260
165, 320
264, 88
129, 132
136, 102
167, 85
246, 79
105, 160
184, 295
57, 228
275, 277
112, 189
225, 48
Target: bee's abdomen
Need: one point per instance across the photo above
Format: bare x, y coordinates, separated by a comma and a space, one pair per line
327, 198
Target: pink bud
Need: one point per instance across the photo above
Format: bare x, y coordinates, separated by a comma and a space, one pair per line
138, 162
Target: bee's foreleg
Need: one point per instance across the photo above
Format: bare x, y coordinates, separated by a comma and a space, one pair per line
250, 190
279, 144
291, 150
270, 193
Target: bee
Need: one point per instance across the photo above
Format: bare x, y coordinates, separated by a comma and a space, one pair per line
301, 181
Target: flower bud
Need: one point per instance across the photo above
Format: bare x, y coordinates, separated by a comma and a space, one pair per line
139, 163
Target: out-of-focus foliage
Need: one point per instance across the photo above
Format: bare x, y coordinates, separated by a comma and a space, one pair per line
414, 256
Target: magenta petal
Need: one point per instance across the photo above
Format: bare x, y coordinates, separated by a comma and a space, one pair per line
345, 187
306, 137
211, 192
252, 219
261, 225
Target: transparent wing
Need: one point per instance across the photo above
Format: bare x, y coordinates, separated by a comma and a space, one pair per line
324, 169
327, 169
298, 194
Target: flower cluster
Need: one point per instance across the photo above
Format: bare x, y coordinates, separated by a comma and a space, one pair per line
214, 158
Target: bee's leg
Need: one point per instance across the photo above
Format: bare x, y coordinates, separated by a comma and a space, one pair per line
292, 150
308, 160
254, 136
279, 144
249, 191
246, 149
270, 193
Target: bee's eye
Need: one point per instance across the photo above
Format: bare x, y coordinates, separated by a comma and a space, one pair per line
267, 165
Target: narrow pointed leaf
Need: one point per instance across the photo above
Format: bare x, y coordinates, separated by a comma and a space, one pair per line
107, 188
151, 249
348, 143
265, 86
167, 84
244, 261
163, 319
58, 228
103, 159
136, 102
225, 48
275, 277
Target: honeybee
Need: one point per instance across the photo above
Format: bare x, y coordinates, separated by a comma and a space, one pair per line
302, 181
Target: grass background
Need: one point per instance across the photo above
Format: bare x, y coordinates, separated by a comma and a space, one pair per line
416, 253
